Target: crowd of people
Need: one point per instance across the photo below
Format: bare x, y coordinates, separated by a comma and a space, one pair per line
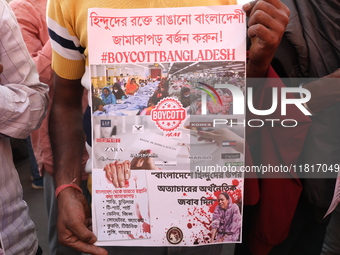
115, 100
281, 216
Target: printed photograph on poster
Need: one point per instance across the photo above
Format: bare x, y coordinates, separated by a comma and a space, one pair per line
180, 211
189, 84
129, 89
120, 138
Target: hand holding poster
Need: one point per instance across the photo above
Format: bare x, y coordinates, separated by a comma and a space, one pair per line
175, 122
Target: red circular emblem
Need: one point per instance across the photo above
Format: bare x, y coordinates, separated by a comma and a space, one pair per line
168, 114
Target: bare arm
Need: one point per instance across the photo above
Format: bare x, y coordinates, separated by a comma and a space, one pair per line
213, 235
68, 140
66, 130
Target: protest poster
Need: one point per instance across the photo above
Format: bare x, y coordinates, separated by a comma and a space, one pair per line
171, 83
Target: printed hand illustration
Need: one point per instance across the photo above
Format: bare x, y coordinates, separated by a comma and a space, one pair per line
146, 163
118, 172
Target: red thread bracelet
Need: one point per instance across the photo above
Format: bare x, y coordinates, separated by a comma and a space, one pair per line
65, 186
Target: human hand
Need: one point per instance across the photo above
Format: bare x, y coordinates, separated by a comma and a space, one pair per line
146, 163
266, 25
118, 172
220, 135
219, 240
74, 223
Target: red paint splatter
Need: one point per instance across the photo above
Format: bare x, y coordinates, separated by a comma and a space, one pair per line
235, 182
127, 184
138, 213
184, 194
205, 218
146, 227
189, 225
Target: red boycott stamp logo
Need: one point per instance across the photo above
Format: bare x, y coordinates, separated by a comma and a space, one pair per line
168, 114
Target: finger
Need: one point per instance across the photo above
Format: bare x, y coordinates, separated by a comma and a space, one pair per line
258, 30
262, 16
87, 209
148, 164
267, 39
120, 174
143, 160
134, 162
137, 162
127, 167
72, 224
88, 224
114, 175
89, 248
248, 7
268, 15
277, 3
252, 6
73, 233
108, 173
80, 233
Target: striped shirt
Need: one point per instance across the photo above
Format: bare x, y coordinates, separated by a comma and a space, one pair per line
23, 101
